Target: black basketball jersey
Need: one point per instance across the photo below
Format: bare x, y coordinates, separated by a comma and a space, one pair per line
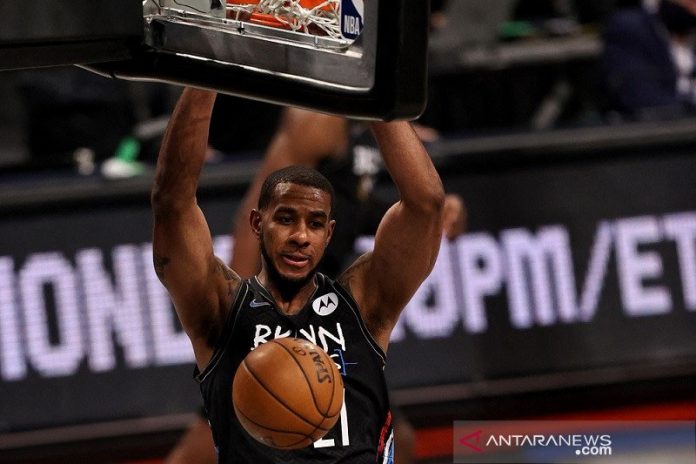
330, 319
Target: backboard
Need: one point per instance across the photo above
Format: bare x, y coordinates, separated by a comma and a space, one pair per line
360, 58
63, 32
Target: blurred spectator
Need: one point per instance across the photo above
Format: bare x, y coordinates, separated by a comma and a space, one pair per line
74, 117
469, 23
647, 66
68, 109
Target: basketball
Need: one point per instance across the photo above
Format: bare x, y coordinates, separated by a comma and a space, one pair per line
287, 393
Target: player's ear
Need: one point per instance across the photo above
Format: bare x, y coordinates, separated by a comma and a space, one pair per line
255, 222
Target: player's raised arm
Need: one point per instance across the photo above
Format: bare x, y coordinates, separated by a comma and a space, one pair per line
200, 285
408, 238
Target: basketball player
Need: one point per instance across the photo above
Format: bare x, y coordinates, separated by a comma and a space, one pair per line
225, 316
346, 154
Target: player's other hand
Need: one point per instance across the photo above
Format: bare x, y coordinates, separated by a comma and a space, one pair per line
454, 216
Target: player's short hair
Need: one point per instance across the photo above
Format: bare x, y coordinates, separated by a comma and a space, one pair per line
299, 175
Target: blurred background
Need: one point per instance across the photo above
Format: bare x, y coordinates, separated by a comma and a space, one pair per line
568, 128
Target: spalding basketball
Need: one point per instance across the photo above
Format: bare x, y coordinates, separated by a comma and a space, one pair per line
287, 393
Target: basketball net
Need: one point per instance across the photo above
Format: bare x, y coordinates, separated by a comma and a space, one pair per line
315, 17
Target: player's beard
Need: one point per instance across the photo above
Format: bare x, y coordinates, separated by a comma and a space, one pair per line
286, 286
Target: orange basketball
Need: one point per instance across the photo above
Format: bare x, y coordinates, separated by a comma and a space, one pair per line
287, 393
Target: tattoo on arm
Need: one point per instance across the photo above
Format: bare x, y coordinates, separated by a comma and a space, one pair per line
228, 274
160, 262
350, 275
374, 320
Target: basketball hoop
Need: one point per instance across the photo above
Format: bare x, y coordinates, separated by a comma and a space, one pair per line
315, 17
358, 58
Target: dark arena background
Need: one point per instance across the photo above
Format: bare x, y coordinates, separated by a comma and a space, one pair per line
572, 294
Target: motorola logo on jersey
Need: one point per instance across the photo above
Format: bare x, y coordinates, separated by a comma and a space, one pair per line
325, 304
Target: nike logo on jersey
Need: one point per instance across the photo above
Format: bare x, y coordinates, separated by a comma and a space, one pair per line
258, 304
325, 304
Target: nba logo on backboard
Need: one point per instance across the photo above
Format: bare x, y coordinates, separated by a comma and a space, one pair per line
352, 12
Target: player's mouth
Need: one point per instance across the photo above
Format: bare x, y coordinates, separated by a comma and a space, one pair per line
296, 260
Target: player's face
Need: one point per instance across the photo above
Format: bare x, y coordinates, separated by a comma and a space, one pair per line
295, 229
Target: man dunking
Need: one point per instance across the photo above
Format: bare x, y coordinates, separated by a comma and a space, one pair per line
346, 154
293, 225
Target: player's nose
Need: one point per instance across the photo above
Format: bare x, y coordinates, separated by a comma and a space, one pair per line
300, 235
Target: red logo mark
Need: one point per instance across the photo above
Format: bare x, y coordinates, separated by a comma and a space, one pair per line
475, 437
